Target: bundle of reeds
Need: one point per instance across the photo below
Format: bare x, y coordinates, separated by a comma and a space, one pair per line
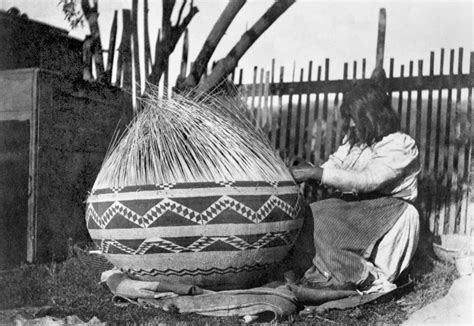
187, 140
194, 193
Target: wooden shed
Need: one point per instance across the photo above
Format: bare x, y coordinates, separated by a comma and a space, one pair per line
54, 133
27, 43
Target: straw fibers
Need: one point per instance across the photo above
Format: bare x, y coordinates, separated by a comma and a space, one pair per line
184, 140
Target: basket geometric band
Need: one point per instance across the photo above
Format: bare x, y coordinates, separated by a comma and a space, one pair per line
199, 271
198, 244
185, 211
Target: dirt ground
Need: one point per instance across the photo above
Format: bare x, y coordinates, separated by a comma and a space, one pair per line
72, 288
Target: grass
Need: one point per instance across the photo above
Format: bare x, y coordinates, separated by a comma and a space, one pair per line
68, 288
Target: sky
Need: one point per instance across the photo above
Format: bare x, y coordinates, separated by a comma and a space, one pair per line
343, 31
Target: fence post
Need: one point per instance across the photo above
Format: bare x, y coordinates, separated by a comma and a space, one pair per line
381, 39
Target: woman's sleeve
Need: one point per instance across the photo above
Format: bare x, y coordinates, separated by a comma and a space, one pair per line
392, 157
335, 159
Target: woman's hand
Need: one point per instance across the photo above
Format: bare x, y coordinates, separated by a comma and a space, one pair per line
305, 173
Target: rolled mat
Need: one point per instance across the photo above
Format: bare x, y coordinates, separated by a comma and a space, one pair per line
280, 301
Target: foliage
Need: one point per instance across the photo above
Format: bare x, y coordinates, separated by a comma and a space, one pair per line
72, 12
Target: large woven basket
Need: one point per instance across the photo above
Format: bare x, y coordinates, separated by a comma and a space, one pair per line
214, 235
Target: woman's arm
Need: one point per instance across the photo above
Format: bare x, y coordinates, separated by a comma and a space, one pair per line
393, 156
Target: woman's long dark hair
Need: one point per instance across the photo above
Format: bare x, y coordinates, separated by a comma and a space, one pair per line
370, 108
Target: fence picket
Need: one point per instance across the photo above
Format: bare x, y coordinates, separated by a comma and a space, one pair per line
281, 116
440, 136
458, 160
267, 111
319, 127
411, 123
429, 154
299, 129
449, 153
327, 125
469, 157
289, 149
309, 156
432, 118
420, 124
401, 112
260, 113
274, 115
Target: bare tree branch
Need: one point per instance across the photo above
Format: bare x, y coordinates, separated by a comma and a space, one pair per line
226, 65
181, 12
213, 39
95, 45
169, 38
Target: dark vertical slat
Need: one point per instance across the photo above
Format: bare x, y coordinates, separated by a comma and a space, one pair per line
305, 123
325, 126
469, 154
317, 131
266, 109
260, 87
281, 119
363, 68
419, 123
273, 138
439, 153
272, 109
317, 134
431, 119
408, 127
449, 153
354, 70
253, 92
401, 112
431, 122
458, 160
111, 49
126, 51
310, 118
299, 130
184, 57
290, 118
390, 76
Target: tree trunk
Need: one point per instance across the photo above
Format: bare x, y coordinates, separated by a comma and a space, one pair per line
170, 37
95, 44
225, 66
215, 36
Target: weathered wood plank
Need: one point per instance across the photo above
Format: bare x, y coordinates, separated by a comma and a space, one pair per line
290, 121
281, 117
439, 153
299, 129
458, 160
410, 126
310, 122
469, 159
318, 131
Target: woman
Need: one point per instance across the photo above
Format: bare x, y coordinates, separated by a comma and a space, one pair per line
365, 237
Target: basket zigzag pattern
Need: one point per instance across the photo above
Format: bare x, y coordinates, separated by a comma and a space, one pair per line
198, 271
202, 218
288, 237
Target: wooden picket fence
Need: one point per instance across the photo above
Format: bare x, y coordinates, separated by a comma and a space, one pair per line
302, 119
